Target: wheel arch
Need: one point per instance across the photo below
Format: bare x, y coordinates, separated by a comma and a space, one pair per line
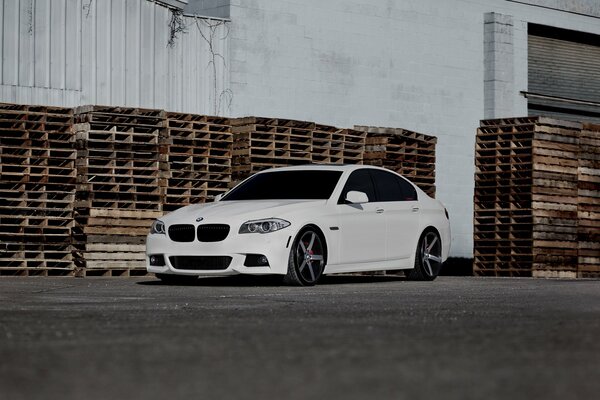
430, 228
443, 234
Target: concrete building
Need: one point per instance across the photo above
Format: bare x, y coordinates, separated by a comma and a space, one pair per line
433, 66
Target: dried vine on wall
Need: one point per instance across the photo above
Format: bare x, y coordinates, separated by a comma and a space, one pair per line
176, 26
30, 24
209, 31
87, 7
225, 95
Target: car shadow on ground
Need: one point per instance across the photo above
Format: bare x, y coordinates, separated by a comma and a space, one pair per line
272, 281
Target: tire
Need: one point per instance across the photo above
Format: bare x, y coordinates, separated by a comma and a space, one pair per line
428, 258
176, 279
307, 258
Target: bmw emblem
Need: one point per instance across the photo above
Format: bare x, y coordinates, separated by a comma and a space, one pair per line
199, 219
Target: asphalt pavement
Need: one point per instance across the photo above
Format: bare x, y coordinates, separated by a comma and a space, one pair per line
348, 338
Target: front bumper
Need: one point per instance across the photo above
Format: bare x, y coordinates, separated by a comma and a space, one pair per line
274, 246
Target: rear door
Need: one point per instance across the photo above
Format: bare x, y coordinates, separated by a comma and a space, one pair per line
398, 200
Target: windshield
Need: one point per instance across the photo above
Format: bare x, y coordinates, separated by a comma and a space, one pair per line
287, 185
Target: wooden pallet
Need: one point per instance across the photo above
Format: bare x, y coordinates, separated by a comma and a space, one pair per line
119, 157
408, 153
261, 143
112, 238
37, 190
199, 151
528, 185
588, 190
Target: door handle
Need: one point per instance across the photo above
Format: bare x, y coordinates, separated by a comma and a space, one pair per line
379, 211
415, 209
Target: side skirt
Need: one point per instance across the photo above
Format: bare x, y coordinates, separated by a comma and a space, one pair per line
405, 263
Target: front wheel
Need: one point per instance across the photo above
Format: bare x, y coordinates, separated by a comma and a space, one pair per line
428, 258
307, 259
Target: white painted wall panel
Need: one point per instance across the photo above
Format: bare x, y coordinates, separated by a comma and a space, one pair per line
174, 55
112, 52
73, 45
89, 62
161, 74
102, 43
26, 43
117, 52
42, 44
1, 38
147, 59
57, 43
10, 43
132, 52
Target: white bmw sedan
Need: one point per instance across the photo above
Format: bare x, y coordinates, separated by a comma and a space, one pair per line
303, 222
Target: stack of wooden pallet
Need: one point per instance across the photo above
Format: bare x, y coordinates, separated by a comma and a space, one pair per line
588, 205
526, 197
261, 143
354, 146
80, 188
121, 186
409, 153
37, 190
198, 158
327, 144
111, 242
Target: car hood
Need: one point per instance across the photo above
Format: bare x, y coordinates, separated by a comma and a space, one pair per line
224, 211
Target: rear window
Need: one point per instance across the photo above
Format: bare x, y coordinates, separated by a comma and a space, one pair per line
287, 185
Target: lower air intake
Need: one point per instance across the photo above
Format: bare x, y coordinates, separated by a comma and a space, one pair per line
200, 263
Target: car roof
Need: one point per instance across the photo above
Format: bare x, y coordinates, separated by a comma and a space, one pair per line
321, 167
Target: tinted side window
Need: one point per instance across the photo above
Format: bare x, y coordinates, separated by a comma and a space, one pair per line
361, 182
388, 187
408, 190
298, 184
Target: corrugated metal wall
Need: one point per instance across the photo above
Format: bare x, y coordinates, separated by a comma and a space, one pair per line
111, 52
564, 70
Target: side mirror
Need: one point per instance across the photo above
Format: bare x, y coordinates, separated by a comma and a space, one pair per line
219, 197
355, 197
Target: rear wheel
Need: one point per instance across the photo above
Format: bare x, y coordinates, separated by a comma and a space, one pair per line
307, 259
428, 258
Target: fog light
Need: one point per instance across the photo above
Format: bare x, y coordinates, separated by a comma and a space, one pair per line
157, 260
256, 260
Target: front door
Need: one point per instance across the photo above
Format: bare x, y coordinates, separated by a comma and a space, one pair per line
362, 226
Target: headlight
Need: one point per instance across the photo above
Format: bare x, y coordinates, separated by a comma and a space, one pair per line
158, 228
263, 225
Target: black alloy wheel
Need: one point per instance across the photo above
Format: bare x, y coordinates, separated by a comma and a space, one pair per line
428, 258
307, 259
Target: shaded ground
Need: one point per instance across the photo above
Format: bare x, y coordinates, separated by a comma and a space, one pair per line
349, 338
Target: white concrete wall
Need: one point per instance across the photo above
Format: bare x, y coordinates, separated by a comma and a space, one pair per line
111, 52
505, 52
416, 64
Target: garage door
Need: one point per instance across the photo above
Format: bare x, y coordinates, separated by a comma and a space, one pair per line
564, 73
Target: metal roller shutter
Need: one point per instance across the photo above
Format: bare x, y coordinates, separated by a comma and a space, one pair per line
564, 74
